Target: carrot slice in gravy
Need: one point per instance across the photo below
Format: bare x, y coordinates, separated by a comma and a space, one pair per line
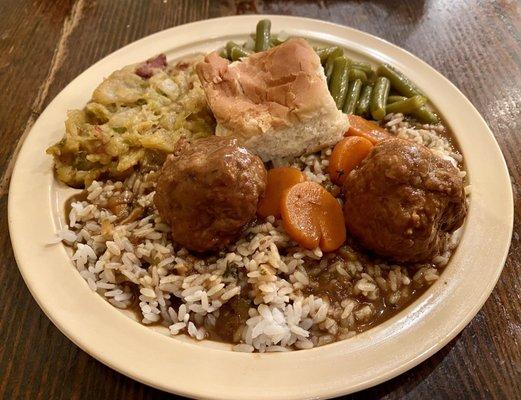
359, 126
279, 180
313, 217
346, 155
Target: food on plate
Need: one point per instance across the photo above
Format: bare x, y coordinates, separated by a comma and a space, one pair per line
400, 82
262, 37
407, 105
346, 156
237, 52
359, 126
133, 120
276, 103
421, 113
353, 94
352, 82
329, 63
208, 191
313, 217
378, 102
353, 214
279, 180
362, 105
404, 200
339, 81
148, 68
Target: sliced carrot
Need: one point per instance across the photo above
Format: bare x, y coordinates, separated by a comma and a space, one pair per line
359, 126
346, 155
279, 179
313, 217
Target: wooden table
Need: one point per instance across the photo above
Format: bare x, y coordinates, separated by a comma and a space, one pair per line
45, 44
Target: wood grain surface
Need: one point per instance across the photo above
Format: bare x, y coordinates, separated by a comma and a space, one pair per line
44, 44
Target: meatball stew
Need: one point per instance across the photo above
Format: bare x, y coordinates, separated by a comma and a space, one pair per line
287, 254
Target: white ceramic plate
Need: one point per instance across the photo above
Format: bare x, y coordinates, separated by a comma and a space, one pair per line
211, 370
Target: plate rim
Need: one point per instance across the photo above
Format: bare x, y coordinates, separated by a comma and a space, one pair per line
189, 391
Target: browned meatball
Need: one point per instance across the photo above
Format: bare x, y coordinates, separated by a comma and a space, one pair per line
208, 191
403, 200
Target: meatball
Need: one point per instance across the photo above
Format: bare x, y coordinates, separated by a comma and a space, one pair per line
208, 192
403, 200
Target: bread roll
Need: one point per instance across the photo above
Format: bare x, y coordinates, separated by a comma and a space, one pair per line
276, 103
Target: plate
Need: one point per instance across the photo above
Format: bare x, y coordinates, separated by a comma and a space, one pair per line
209, 369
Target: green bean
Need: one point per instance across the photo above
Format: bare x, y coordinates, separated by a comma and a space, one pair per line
223, 52
229, 46
238, 52
362, 108
367, 68
399, 81
406, 106
353, 93
274, 41
362, 66
337, 52
393, 99
379, 98
338, 85
324, 52
262, 38
355, 74
422, 114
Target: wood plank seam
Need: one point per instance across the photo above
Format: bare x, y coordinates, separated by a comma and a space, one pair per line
60, 53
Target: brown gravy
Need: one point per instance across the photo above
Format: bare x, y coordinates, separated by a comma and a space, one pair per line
330, 284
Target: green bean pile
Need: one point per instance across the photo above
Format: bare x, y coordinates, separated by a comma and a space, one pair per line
357, 87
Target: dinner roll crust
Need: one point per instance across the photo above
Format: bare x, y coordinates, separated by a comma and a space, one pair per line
276, 103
